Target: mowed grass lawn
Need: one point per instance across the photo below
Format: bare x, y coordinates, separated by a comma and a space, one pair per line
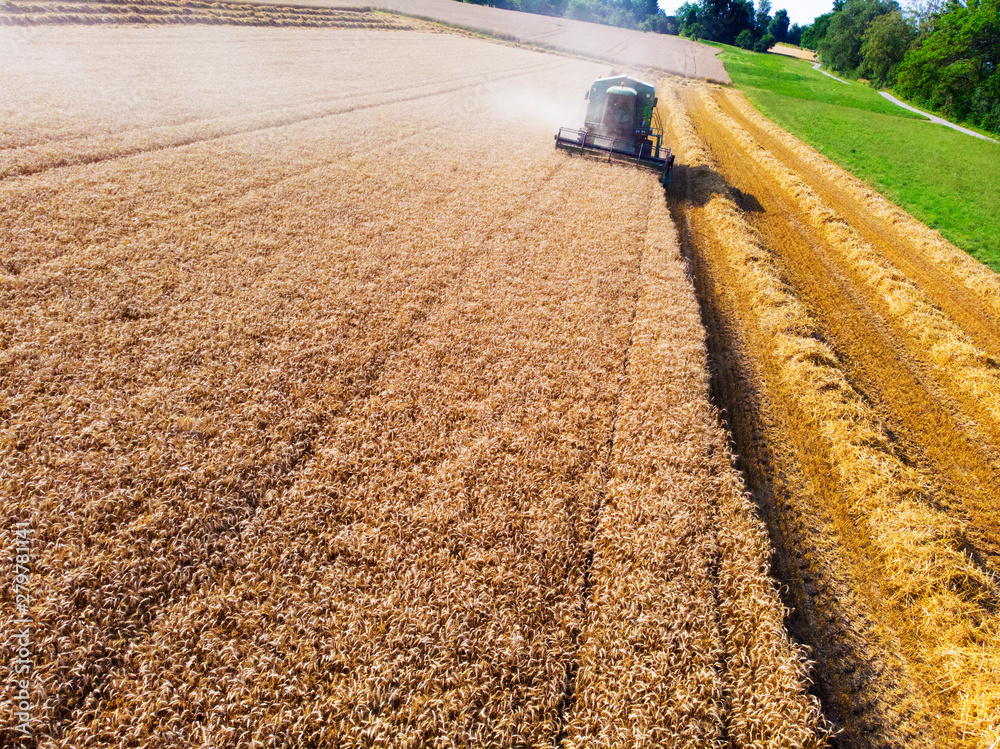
948, 180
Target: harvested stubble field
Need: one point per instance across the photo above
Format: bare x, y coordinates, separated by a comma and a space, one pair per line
192, 12
624, 47
856, 355
347, 412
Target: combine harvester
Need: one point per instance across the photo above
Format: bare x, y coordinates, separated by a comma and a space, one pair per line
621, 118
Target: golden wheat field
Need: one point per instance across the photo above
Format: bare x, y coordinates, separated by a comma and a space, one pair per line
339, 409
348, 412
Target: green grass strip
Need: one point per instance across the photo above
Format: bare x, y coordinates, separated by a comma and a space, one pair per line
948, 180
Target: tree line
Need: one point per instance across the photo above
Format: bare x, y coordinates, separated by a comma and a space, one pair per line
945, 57
737, 22
644, 15
726, 21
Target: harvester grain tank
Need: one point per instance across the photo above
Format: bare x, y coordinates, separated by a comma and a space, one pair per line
622, 122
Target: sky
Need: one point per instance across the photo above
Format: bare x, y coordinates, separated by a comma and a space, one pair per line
801, 12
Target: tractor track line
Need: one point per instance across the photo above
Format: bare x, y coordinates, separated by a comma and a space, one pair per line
221, 208
853, 659
263, 114
965, 371
607, 474
85, 159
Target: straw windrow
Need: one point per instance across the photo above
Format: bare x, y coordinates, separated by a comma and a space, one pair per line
966, 270
922, 589
960, 365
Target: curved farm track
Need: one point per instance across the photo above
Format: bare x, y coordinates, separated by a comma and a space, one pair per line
856, 358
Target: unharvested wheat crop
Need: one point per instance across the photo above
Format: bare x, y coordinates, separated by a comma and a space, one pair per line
348, 412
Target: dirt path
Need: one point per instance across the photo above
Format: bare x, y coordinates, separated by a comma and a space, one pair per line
852, 418
828, 75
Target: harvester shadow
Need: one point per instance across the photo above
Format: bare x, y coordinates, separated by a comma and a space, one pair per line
717, 184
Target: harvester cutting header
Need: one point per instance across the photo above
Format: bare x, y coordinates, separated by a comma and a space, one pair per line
621, 121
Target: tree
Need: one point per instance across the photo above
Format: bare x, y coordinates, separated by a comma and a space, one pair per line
763, 16
718, 20
923, 10
884, 46
954, 66
745, 39
815, 32
660, 22
794, 35
649, 8
715, 20
841, 47
688, 16
741, 17
778, 28
764, 43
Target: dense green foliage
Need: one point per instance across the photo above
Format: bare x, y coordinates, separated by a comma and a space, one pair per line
764, 43
814, 33
947, 59
948, 180
954, 65
716, 20
733, 22
841, 47
884, 46
745, 39
763, 15
629, 14
778, 28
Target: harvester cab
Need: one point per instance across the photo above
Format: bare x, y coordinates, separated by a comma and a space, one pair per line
622, 121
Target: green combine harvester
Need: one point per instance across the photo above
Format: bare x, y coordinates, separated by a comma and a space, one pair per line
622, 122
